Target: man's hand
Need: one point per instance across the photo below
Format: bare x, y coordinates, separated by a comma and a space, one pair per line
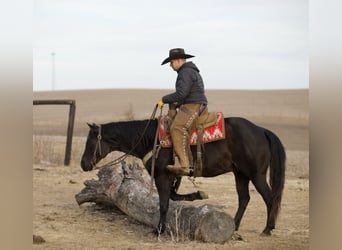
160, 103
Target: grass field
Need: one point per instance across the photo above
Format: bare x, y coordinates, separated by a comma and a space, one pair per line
64, 225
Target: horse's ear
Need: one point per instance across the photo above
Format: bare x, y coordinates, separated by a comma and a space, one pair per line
92, 126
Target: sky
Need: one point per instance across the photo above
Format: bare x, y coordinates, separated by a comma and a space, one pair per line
237, 44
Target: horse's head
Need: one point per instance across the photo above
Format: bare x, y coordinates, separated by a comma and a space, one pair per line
96, 148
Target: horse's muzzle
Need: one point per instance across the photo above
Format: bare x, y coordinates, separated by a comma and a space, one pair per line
87, 165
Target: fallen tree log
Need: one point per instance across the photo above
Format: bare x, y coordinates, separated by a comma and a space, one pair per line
127, 187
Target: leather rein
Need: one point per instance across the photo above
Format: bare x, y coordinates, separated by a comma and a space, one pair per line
124, 156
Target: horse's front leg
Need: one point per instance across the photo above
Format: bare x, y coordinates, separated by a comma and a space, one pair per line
163, 184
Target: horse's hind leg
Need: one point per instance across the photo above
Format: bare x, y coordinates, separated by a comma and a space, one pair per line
263, 188
241, 183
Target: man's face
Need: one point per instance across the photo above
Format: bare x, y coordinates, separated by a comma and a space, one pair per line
175, 64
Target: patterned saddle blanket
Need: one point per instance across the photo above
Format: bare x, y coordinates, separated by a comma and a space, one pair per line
214, 132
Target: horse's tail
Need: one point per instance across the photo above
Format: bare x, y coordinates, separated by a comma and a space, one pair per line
277, 171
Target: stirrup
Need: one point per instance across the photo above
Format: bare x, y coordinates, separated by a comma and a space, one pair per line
178, 170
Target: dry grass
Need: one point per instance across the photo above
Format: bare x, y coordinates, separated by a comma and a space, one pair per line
283, 111
65, 225
50, 150
270, 108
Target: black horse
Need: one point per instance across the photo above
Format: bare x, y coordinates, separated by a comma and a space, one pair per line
248, 150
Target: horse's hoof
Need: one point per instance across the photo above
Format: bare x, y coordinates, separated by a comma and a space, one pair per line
203, 195
237, 236
266, 232
158, 231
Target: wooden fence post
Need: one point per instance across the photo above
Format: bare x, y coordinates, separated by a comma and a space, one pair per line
71, 121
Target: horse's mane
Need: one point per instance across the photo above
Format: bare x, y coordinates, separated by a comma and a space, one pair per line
133, 128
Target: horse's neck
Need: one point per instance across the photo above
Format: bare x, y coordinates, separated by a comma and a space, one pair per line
133, 139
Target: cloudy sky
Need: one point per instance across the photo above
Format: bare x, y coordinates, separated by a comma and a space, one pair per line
238, 44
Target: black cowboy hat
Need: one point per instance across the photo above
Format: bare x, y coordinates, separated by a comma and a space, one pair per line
176, 54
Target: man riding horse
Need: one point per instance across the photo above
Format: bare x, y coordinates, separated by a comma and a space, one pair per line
249, 151
191, 101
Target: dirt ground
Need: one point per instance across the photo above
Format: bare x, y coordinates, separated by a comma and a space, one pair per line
65, 225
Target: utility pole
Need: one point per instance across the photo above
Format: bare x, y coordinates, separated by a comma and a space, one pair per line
53, 78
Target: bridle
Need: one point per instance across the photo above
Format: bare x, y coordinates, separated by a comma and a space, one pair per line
123, 157
98, 145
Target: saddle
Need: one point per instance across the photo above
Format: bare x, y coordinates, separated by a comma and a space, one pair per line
208, 127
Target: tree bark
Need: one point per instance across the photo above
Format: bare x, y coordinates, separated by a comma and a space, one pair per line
127, 187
